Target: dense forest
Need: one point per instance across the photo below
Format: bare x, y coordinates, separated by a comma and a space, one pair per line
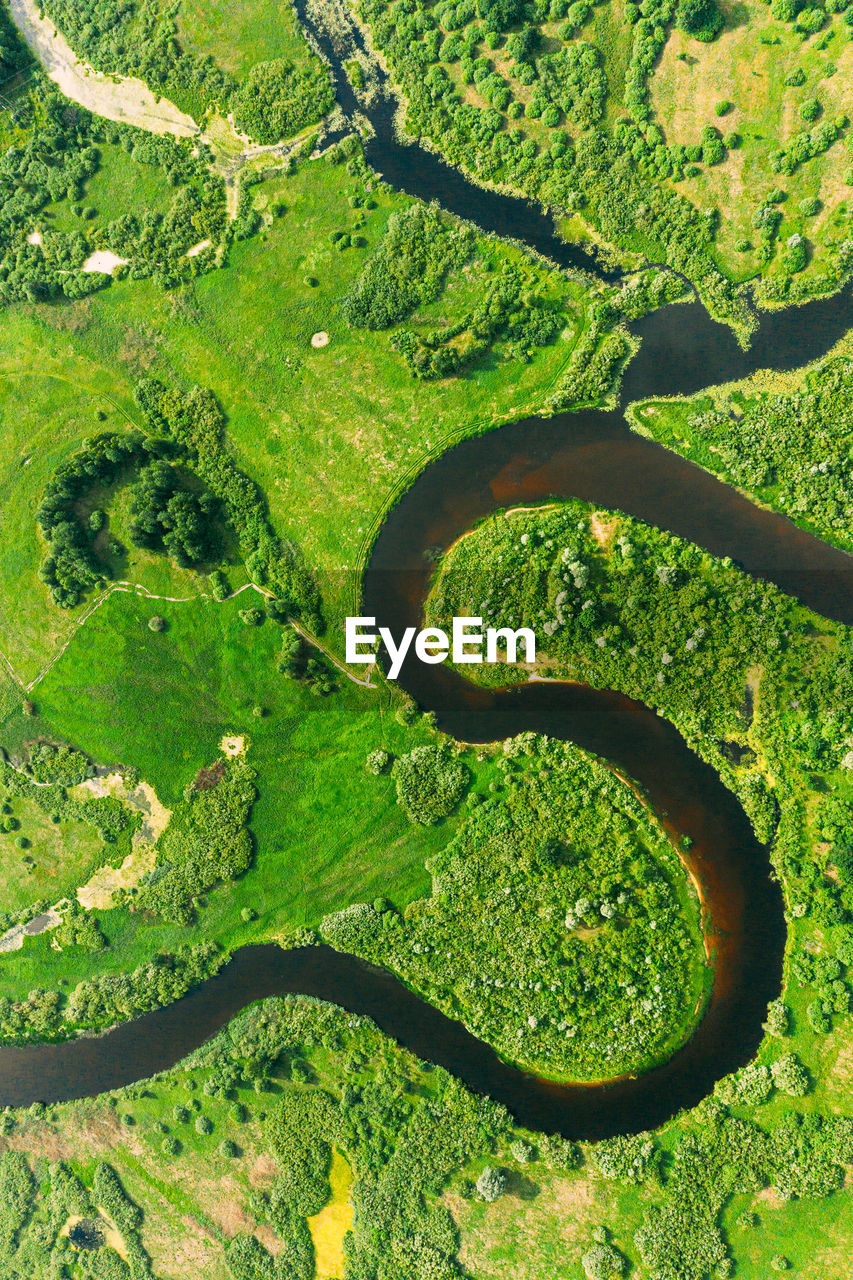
537, 931
619, 605
789, 447
419, 251
176, 509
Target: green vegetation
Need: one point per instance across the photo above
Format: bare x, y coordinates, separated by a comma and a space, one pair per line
418, 251
429, 785
207, 842
51, 842
560, 927
269, 381
293, 1085
605, 114
788, 445
47, 235
199, 681
619, 605
278, 99
198, 457
175, 49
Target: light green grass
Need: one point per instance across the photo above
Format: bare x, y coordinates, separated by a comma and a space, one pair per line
238, 36
748, 65
59, 857
329, 434
327, 833
44, 420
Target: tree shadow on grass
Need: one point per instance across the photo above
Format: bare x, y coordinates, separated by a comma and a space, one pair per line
520, 1186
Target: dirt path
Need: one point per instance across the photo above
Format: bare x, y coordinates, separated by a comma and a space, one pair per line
142, 591
120, 98
129, 100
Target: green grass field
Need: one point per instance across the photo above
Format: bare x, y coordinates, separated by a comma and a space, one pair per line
237, 38
330, 434
58, 856
327, 833
749, 65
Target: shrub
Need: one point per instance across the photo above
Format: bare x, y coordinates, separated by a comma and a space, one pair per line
251, 617
379, 761
790, 1076
778, 1019
204, 1125
429, 784
699, 18
602, 1262
491, 1183
156, 623
278, 99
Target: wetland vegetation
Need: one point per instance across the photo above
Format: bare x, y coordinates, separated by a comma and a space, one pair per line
190, 489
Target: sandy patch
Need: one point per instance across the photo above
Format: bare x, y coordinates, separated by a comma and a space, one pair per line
603, 528
233, 746
199, 248
112, 1235
320, 339
104, 260
13, 939
35, 237
124, 99
99, 890
263, 1171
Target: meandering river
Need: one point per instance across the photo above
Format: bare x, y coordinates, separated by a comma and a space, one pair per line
590, 455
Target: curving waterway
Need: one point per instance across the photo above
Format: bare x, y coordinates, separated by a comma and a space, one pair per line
590, 455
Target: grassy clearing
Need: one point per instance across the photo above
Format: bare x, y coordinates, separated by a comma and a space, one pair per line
120, 185
748, 65
57, 857
45, 418
328, 433
532, 1232
327, 833
237, 38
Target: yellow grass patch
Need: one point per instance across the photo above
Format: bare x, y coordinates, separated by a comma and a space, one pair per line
100, 889
603, 528
330, 1225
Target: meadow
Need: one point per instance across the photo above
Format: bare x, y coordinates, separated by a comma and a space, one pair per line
244, 331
